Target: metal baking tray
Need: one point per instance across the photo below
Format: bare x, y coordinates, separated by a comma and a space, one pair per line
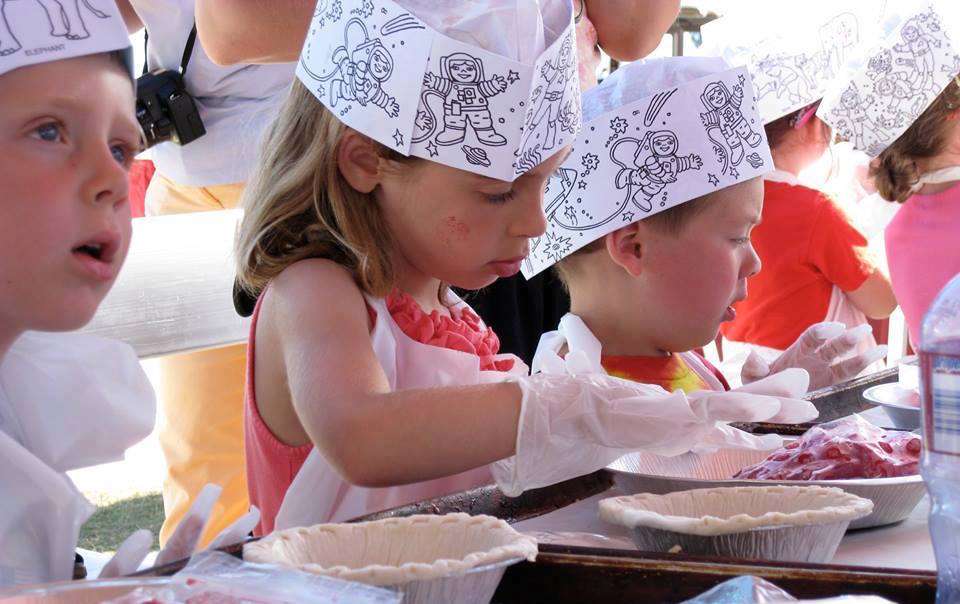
566, 574
833, 402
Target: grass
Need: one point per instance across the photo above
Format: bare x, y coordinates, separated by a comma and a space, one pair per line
115, 519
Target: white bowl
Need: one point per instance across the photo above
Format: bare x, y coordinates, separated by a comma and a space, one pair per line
893, 498
782, 523
902, 405
453, 558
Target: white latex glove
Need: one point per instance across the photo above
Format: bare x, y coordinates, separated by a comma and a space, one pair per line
238, 530
184, 539
824, 350
129, 555
183, 542
574, 425
135, 548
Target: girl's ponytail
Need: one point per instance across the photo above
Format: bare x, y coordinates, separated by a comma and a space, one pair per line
895, 171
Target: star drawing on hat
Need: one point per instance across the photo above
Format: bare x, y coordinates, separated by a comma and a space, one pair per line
712, 178
398, 137
432, 148
557, 246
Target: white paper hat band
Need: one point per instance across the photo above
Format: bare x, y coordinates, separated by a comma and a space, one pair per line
386, 73
888, 88
650, 155
34, 32
791, 61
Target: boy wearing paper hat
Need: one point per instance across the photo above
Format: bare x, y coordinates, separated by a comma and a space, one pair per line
653, 239
67, 137
817, 273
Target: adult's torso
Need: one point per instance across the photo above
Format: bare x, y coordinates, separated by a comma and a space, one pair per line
236, 102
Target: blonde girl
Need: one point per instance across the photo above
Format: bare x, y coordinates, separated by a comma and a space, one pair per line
364, 371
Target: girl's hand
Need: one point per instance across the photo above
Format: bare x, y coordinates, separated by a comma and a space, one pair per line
574, 425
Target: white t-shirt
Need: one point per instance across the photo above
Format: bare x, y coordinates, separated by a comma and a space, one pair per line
236, 102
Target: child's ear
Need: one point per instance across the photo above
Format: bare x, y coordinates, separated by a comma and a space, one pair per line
626, 247
358, 160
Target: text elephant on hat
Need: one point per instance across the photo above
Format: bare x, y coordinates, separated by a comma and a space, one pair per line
64, 17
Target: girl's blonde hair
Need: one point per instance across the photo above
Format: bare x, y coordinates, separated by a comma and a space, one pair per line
895, 170
299, 206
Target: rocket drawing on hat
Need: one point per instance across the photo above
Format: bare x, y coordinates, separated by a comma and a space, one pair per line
64, 18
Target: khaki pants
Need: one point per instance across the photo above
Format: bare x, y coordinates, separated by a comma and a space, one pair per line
200, 396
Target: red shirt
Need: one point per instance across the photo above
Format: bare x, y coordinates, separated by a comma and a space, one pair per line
807, 246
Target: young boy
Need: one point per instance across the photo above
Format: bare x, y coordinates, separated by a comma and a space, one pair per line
650, 220
68, 134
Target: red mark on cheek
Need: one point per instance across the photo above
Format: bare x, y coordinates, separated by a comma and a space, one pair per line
451, 229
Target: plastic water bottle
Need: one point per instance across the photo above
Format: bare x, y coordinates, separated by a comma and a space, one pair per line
940, 466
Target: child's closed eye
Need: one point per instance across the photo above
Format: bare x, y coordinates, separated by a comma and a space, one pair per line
499, 198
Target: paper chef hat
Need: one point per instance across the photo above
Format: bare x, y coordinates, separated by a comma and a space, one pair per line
792, 60
41, 32
884, 89
656, 134
488, 86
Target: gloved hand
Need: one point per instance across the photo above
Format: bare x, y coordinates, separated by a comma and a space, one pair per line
183, 541
573, 425
824, 350
129, 555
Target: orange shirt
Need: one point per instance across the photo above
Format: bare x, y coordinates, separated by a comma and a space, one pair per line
807, 245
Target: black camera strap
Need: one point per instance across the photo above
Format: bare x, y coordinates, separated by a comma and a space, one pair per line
187, 49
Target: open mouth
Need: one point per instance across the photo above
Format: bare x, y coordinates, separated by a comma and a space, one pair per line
101, 248
94, 250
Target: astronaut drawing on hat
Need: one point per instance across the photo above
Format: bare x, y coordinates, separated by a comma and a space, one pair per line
465, 95
551, 101
918, 52
723, 112
853, 110
650, 165
363, 64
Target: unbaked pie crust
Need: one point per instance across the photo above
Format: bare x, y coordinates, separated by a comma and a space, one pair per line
395, 550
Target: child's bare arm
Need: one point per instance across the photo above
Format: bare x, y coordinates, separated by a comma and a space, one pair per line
253, 31
375, 437
875, 298
628, 30
130, 17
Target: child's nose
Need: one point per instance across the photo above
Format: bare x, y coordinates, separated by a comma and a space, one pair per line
753, 264
107, 181
529, 220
